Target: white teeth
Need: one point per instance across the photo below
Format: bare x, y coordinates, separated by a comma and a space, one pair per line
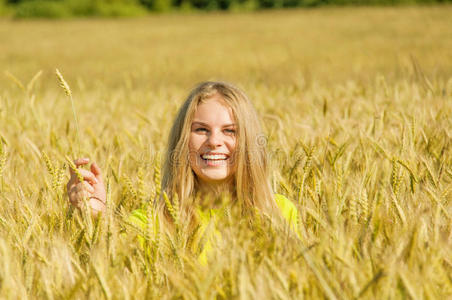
214, 156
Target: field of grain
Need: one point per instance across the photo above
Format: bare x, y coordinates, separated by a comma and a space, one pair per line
356, 105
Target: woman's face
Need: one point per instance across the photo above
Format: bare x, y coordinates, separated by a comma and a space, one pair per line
212, 141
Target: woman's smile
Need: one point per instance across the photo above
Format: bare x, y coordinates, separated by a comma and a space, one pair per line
214, 159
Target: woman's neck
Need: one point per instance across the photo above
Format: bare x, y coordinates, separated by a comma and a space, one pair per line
214, 192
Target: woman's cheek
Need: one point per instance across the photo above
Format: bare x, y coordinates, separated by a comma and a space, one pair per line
195, 142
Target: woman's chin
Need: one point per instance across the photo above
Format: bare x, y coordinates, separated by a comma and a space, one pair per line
215, 176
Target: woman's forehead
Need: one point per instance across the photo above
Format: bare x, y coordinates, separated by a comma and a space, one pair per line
214, 110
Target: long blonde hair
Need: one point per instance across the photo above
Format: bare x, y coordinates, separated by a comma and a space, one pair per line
252, 188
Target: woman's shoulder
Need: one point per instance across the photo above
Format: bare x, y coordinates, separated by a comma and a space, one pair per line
288, 210
284, 203
282, 200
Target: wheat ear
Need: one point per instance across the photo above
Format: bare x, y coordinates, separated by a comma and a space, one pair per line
67, 90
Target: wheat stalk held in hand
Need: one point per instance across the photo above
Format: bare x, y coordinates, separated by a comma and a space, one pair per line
67, 90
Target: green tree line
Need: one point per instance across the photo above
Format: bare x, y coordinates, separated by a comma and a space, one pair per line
83, 8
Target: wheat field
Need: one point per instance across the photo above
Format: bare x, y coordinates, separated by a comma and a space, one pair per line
356, 104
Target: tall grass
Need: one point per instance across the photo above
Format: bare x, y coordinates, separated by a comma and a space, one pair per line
367, 161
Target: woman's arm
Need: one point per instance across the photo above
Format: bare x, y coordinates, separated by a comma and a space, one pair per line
91, 188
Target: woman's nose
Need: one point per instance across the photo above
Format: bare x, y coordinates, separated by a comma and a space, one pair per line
214, 139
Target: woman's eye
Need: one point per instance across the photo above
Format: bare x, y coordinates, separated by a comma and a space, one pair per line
201, 129
230, 131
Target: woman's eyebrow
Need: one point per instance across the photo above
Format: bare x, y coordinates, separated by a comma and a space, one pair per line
199, 123
205, 124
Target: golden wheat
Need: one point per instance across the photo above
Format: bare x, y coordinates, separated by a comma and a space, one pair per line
359, 139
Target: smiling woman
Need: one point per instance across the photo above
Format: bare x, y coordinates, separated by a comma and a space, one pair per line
212, 142
214, 149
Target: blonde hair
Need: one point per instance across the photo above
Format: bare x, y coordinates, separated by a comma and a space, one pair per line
252, 188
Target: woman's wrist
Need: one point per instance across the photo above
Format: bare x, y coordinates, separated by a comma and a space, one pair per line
98, 205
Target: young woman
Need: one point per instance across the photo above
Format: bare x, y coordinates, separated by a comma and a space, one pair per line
215, 147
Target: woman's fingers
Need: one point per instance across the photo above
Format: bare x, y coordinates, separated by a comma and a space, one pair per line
88, 176
79, 162
96, 171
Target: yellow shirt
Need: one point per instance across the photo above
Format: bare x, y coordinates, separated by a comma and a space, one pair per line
287, 208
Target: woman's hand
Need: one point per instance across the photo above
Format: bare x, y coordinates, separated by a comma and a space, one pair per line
92, 188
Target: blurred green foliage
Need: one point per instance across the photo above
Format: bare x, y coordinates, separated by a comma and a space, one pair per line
75, 8
3, 8
112, 8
